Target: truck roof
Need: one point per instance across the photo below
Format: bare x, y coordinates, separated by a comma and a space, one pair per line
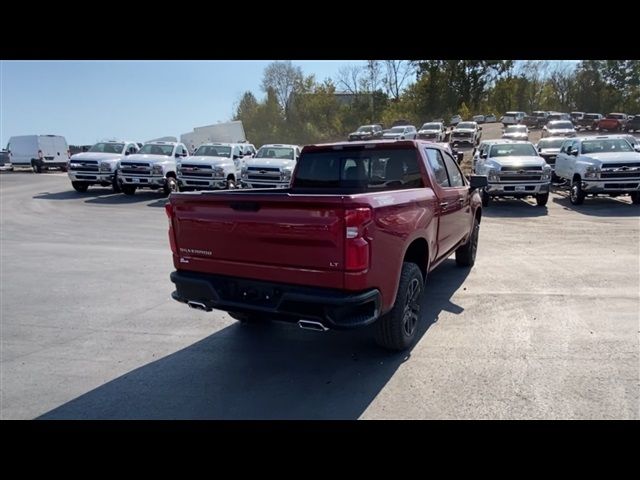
370, 144
279, 145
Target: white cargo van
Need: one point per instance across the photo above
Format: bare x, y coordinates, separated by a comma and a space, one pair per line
39, 152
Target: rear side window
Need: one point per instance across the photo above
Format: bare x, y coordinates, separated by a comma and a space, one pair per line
361, 169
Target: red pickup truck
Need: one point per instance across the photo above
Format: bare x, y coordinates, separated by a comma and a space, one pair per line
348, 244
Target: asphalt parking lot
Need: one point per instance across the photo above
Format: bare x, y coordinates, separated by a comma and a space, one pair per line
545, 326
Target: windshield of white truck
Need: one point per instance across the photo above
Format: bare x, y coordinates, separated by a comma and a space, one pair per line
213, 151
151, 149
107, 148
275, 153
606, 145
513, 150
361, 169
553, 143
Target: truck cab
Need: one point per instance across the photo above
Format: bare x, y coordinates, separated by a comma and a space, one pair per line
153, 167
212, 166
271, 167
514, 169
99, 165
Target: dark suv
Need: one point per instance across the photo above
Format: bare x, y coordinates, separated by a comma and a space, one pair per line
633, 125
367, 132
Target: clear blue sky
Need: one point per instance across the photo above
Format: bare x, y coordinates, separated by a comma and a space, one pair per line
87, 101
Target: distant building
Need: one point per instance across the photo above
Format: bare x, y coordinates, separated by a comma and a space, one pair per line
227, 132
163, 139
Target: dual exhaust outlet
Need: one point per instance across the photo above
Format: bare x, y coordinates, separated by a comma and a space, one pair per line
304, 324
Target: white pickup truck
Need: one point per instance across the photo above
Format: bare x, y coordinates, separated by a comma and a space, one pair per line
212, 166
514, 169
98, 166
154, 167
599, 165
271, 167
512, 118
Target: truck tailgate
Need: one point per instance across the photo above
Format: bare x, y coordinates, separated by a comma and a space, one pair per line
281, 237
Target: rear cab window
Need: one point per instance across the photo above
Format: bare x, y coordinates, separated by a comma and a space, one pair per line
362, 169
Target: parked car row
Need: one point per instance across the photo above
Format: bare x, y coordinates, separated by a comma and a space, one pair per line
169, 167
608, 164
580, 120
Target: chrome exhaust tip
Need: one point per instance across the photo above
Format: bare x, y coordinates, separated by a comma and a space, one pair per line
198, 306
311, 325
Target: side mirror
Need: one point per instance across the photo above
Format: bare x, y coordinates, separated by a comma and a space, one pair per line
483, 155
568, 151
574, 153
178, 155
539, 149
127, 152
479, 128
477, 181
460, 156
235, 157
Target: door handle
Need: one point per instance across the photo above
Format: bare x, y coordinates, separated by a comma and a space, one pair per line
444, 204
461, 200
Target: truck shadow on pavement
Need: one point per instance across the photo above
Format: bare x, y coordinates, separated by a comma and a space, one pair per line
73, 195
600, 206
270, 371
513, 207
122, 199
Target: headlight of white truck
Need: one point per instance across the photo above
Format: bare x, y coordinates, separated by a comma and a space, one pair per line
105, 167
285, 174
546, 172
243, 172
156, 169
493, 175
592, 172
218, 172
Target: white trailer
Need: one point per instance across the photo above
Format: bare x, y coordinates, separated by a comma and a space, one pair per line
228, 132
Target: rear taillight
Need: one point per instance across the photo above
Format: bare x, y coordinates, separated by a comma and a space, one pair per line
357, 247
68, 153
168, 208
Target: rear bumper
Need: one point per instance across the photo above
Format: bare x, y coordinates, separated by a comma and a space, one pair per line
290, 303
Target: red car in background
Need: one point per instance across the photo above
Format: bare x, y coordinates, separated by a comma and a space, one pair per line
615, 122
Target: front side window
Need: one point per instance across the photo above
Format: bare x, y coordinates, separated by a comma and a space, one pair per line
436, 162
455, 175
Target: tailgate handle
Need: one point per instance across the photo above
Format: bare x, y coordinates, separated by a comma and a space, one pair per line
245, 206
